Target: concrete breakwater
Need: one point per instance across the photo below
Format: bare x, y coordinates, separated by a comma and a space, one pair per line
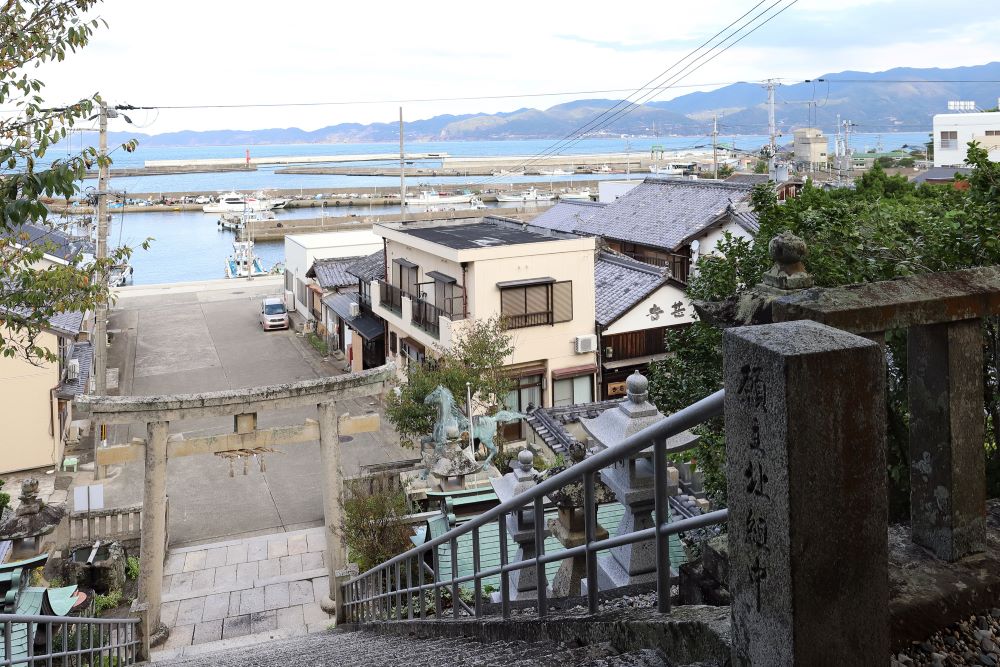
126, 172
268, 230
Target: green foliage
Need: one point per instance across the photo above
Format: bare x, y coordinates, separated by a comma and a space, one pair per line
132, 568
885, 228
318, 343
372, 524
4, 498
477, 356
726, 170
33, 33
110, 600
760, 167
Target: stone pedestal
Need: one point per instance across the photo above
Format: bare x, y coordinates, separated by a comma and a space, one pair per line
521, 528
947, 479
569, 528
805, 444
632, 483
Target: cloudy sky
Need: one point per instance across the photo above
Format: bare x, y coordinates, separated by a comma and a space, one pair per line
205, 52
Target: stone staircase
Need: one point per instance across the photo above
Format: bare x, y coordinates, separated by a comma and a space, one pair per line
343, 648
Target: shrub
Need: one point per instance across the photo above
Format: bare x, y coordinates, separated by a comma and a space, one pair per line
372, 525
132, 568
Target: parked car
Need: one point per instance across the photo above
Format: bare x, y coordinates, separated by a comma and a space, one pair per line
273, 314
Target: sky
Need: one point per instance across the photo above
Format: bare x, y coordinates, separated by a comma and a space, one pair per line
184, 52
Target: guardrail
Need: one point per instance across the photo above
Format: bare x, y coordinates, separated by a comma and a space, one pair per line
528, 320
390, 296
67, 640
380, 592
426, 316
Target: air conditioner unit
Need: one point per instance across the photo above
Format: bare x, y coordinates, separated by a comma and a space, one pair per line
586, 343
73, 369
354, 310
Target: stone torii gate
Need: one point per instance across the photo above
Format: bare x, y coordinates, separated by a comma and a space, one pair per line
243, 405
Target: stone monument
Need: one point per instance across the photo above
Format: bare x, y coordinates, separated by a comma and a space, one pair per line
520, 526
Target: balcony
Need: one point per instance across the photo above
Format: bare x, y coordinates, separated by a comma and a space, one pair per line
528, 320
391, 297
427, 316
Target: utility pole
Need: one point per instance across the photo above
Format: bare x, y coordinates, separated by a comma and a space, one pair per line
771, 128
715, 146
101, 314
402, 176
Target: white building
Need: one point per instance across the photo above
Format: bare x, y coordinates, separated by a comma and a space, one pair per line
810, 146
954, 131
301, 250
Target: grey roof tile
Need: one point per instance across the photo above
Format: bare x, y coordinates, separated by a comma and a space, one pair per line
369, 268
567, 215
332, 273
664, 213
84, 354
620, 283
50, 239
751, 179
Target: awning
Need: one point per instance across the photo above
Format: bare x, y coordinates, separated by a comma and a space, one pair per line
635, 361
524, 371
404, 263
574, 371
367, 325
526, 282
441, 277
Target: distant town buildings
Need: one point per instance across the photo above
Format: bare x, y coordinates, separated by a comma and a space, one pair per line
810, 147
954, 131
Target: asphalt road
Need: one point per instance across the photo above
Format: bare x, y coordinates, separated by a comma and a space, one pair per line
207, 338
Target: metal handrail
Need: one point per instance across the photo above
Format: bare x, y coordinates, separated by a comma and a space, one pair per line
121, 650
657, 434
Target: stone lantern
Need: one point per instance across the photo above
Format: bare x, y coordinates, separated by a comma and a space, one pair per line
33, 520
632, 479
521, 526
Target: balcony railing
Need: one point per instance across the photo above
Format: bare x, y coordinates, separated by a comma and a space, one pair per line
527, 320
388, 590
68, 640
390, 296
425, 316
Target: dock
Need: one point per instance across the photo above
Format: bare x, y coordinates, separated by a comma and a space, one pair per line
292, 159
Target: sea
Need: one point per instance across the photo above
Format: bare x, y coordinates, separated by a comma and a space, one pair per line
188, 245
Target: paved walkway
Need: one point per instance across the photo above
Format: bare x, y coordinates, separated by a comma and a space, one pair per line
271, 584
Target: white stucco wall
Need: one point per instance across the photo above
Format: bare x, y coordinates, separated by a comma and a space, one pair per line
969, 127
666, 307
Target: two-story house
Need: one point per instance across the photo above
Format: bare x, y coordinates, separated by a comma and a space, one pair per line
442, 274
352, 326
36, 397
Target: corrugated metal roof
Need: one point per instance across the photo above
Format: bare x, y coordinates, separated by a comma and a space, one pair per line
608, 516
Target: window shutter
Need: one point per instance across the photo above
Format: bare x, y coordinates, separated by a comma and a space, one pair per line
512, 302
537, 298
562, 301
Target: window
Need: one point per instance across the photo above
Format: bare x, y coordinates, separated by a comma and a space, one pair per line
993, 133
392, 342
949, 139
300, 292
573, 391
404, 276
536, 304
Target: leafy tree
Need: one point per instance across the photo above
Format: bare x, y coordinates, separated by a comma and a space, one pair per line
885, 228
33, 32
478, 356
372, 524
726, 170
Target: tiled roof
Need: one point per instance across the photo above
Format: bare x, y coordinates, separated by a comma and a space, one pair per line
332, 273
84, 354
620, 283
941, 174
49, 239
751, 179
567, 215
663, 213
67, 324
369, 268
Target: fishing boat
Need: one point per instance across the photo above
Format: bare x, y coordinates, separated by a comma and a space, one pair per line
435, 198
666, 169
242, 263
504, 172
233, 222
553, 172
120, 275
477, 203
603, 169
583, 195
530, 195
235, 202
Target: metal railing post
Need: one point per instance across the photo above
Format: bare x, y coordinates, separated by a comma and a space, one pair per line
590, 535
540, 584
454, 578
409, 589
421, 600
399, 595
661, 511
437, 581
478, 591
504, 575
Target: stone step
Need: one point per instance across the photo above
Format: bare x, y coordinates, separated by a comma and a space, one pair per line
344, 649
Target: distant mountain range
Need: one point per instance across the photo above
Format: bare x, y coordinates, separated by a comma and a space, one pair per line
875, 101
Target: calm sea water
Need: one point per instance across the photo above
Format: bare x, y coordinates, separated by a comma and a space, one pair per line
189, 245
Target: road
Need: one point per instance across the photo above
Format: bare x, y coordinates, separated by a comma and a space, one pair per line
205, 337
